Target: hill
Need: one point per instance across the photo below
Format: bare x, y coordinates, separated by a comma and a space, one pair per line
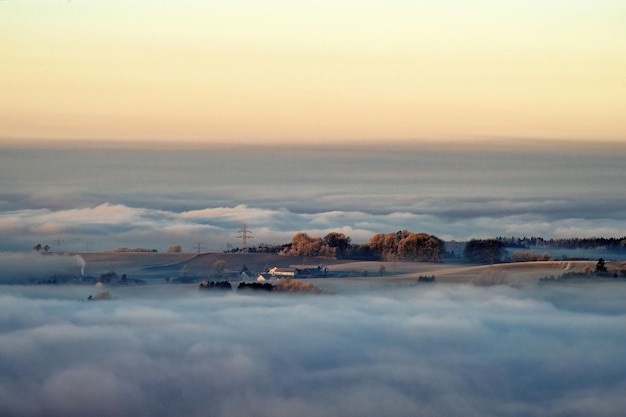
161, 265
169, 265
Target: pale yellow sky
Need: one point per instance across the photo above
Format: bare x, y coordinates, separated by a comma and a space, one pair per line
277, 70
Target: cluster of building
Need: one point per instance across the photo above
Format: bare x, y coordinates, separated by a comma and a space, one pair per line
293, 272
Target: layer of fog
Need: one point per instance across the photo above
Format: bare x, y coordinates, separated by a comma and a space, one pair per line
26, 268
97, 199
432, 350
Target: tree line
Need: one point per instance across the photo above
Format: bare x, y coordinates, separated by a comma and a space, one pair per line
611, 243
405, 245
402, 246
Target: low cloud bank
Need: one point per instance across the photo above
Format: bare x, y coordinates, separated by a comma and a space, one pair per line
108, 226
429, 350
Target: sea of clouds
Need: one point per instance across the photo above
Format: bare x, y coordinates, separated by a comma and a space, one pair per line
428, 350
100, 198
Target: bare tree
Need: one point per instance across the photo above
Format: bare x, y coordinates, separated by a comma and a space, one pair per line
218, 268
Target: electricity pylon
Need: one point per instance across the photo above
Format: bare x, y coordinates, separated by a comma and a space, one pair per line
199, 247
244, 236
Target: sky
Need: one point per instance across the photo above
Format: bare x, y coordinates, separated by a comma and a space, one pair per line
435, 350
324, 71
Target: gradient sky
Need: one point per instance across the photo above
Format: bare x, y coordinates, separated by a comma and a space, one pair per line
242, 70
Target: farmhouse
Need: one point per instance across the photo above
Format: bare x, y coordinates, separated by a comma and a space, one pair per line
284, 272
296, 272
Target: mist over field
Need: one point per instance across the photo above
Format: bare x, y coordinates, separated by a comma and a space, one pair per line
102, 197
435, 350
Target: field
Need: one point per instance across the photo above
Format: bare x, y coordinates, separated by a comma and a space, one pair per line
157, 267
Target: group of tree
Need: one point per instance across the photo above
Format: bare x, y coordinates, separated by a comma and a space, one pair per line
421, 247
38, 247
174, 249
281, 285
401, 245
304, 245
215, 285
132, 250
529, 256
484, 251
611, 243
407, 246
